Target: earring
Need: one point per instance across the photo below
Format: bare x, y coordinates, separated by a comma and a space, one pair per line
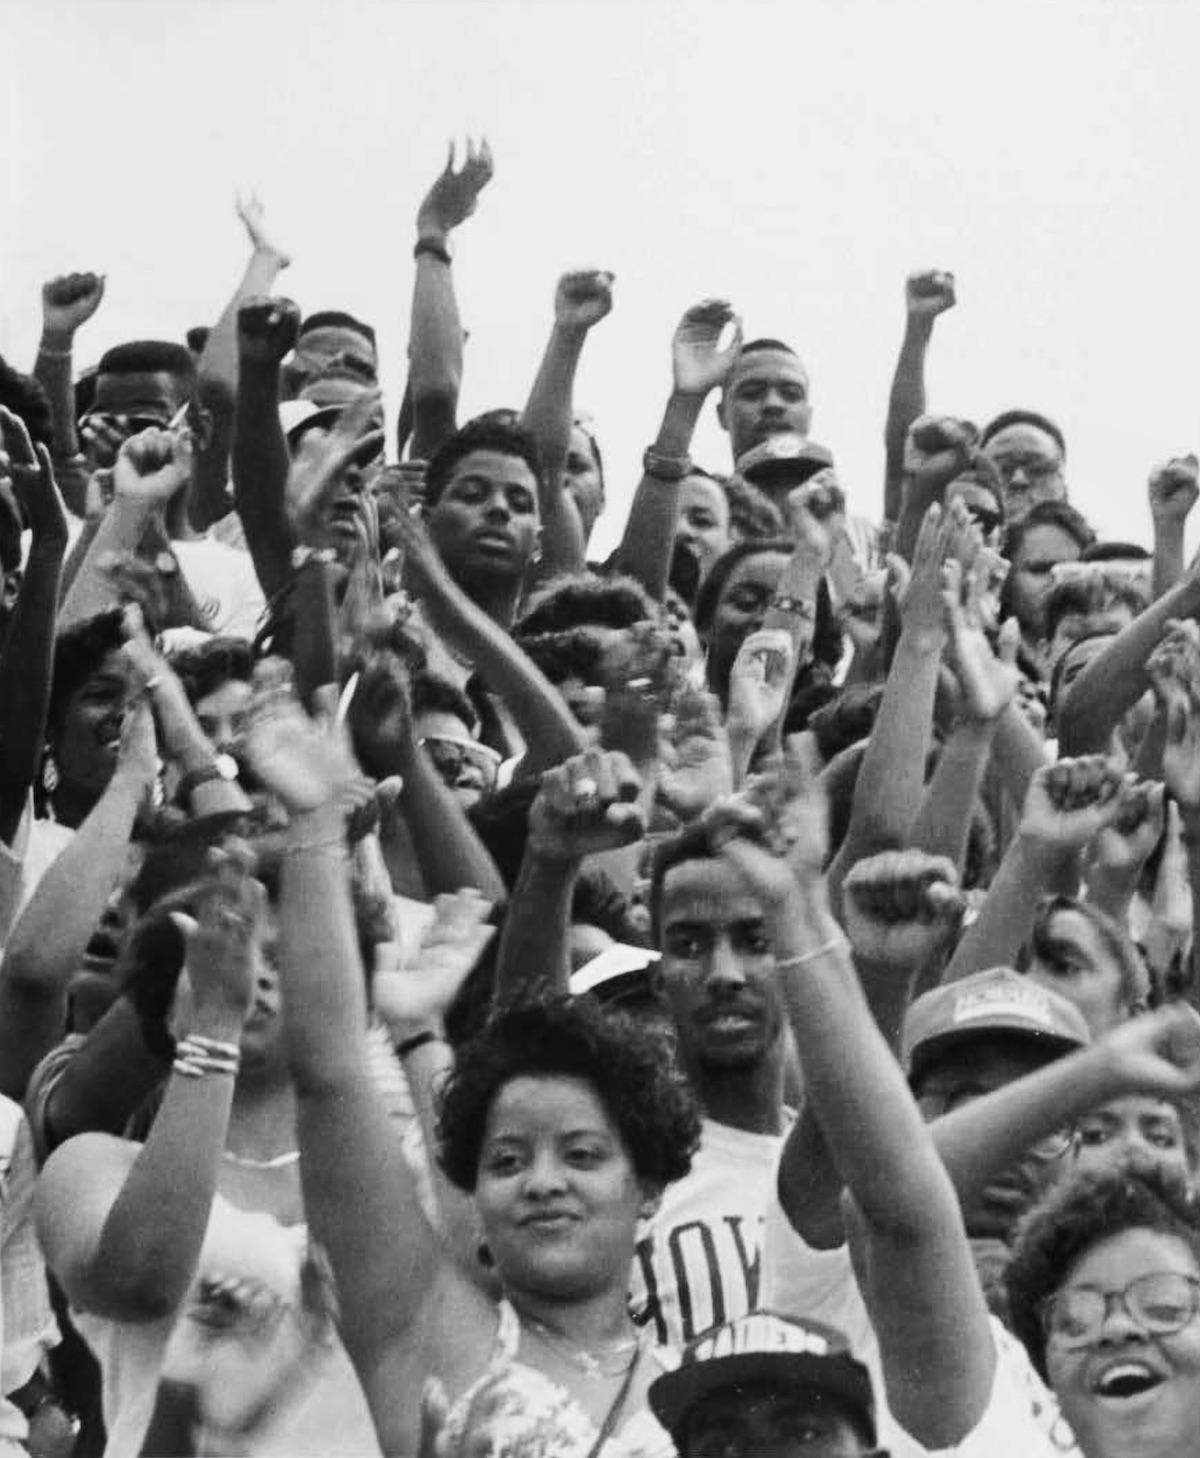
49, 774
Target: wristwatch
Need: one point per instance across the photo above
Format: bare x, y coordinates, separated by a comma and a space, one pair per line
665, 468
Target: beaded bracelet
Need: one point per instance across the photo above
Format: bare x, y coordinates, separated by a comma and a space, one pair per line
196, 1056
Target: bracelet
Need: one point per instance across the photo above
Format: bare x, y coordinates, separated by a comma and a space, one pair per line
801, 958
409, 1046
798, 607
435, 248
55, 353
196, 1057
665, 468
192, 781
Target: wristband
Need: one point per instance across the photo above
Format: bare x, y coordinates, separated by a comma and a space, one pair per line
665, 468
832, 945
435, 248
409, 1046
49, 353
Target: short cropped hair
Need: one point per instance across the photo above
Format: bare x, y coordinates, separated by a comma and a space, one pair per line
1088, 1207
753, 346
630, 1070
149, 356
1089, 594
1024, 417
581, 598
479, 435
433, 694
335, 319
1137, 990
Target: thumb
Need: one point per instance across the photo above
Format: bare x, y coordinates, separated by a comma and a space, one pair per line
1008, 641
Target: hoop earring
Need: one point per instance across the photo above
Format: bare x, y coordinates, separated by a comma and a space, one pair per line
49, 774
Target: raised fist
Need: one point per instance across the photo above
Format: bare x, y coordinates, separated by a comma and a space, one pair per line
926, 295
250, 210
1174, 488
153, 466
585, 806
267, 329
583, 298
70, 301
901, 907
1070, 802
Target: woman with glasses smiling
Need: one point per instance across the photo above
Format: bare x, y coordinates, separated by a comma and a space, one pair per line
1105, 1292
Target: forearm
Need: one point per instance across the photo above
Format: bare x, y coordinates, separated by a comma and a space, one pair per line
118, 534
810, 1186
943, 824
384, 1256
533, 956
435, 355
541, 714
25, 672
48, 941
645, 550
218, 361
1168, 556
209, 499
260, 474
1114, 680
548, 412
977, 1142
150, 1245
1191, 842
906, 403
1000, 929
108, 1079
891, 778
451, 855
1018, 752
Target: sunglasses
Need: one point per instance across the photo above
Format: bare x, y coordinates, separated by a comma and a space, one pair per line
453, 757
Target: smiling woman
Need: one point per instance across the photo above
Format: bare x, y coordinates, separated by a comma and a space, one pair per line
1105, 1291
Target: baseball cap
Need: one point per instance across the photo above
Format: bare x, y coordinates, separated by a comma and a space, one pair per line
763, 1346
783, 460
293, 414
998, 1000
613, 971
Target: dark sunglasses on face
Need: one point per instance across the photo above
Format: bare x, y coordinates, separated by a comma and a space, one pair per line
452, 755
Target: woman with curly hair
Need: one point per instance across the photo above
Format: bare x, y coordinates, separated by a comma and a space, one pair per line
1104, 1287
563, 1122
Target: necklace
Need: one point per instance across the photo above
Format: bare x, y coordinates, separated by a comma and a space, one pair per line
588, 1362
279, 1161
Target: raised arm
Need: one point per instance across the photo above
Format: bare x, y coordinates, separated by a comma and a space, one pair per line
1114, 680
581, 300
539, 710
699, 366
435, 349
266, 330
49, 938
1174, 489
399, 1290
926, 295
891, 779
449, 852
27, 651
915, 1270
588, 806
151, 468
217, 369
987, 684
67, 304
122, 1227
1068, 804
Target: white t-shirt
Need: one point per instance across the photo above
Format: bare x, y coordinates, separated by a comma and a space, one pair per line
36, 846
224, 585
698, 1261
1022, 1418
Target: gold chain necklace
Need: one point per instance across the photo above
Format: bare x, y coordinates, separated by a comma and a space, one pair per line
588, 1363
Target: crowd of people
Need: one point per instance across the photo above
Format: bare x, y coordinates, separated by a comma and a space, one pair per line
733, 1000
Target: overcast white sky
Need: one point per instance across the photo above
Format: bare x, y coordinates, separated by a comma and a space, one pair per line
799, 158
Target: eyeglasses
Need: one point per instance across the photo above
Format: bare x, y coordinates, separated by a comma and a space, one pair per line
1036, 470
1161, 1303
452, 756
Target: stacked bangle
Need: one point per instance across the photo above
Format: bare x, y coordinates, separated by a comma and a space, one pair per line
195, 1057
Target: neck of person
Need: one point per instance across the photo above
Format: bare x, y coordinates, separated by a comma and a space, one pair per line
175, 518
749, 1099
588, 1322
72, 804
499, 597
